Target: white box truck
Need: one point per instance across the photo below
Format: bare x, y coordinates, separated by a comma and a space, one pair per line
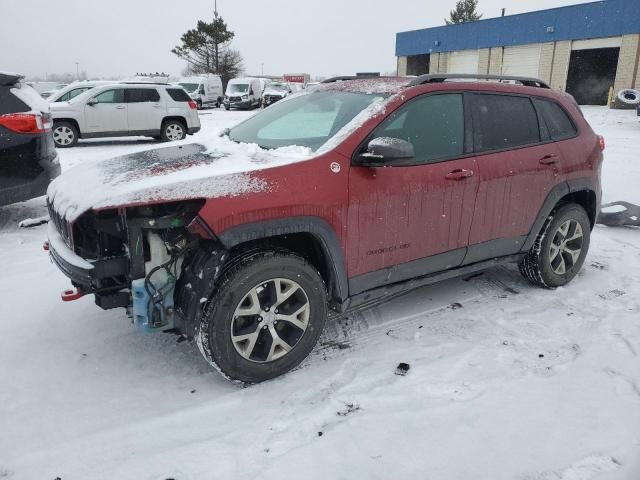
205, 90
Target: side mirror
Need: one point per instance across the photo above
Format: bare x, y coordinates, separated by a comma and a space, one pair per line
385, 151
91, 102
201, 91
251, 92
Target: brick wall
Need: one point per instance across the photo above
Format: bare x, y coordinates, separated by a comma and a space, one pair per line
402, 66
627, 73
546, 61
483, 60
495, 60
560, 65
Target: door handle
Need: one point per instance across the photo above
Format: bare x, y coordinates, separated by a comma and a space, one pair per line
120, 107
460, 174
549, 159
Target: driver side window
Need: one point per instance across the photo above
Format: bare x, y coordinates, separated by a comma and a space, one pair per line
110, 96
433, 124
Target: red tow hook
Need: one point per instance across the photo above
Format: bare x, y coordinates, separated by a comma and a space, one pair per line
45, 246
71, 295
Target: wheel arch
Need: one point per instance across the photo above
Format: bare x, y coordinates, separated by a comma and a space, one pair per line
580, 191
310, 237
175, 117
72, 121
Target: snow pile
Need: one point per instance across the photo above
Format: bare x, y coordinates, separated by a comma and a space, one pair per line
216, 168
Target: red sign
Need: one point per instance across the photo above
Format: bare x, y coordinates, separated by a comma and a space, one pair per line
294, 78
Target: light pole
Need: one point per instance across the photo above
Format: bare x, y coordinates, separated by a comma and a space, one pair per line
78, 71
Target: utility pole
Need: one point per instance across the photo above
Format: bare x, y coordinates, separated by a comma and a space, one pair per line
77, 70
215, 7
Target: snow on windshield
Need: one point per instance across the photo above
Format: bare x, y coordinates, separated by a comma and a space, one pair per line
216, 168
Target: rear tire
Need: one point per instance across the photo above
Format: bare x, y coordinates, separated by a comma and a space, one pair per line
65, 134
173, 130
560, 248
266, 316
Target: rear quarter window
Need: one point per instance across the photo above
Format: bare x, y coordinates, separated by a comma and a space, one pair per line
501, 122
9, 103
178, 95
558, 122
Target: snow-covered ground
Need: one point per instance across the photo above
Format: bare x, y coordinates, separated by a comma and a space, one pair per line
506, 381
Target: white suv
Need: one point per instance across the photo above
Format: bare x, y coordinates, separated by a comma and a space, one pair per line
164, 112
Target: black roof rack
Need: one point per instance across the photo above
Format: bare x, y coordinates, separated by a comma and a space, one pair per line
344, 78
441, 77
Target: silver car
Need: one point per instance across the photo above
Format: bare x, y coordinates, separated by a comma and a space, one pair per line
162, 111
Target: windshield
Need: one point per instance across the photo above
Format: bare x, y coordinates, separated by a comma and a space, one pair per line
238, 88
277, 87
308, 120
190, 87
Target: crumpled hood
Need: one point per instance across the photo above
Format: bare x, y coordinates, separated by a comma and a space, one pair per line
218, 168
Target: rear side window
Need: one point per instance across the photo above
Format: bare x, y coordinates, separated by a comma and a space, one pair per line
433, 124
178, 95
140, 95
501, 122
9, 103
558, 122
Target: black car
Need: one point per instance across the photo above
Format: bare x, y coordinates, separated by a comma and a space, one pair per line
28, 158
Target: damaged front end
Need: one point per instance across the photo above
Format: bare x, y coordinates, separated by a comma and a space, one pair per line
160, 262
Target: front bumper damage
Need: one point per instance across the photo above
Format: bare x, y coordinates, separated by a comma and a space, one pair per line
164, 280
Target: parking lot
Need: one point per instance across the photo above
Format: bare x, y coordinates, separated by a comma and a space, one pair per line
505, 380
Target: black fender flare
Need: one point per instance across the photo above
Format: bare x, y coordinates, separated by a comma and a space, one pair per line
319, 228
556, 194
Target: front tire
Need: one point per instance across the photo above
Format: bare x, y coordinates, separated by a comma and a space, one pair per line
266, 316
65, 134
173, 130
560, 248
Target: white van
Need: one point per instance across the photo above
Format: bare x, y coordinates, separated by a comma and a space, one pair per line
205, 90
243, 93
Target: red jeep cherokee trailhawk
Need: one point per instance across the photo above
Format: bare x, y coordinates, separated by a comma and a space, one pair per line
330, 199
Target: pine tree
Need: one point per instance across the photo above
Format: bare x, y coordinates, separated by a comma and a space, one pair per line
465, 11
206, 49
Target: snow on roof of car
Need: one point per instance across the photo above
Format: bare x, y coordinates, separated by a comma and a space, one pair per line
216, 168
367, 85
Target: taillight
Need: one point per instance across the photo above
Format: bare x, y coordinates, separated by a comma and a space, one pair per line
601, 143
192, 105
26, 122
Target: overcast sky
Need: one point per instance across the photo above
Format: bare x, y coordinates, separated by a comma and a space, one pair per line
122, 37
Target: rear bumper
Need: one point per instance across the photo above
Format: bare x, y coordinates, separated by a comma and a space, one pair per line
19, 191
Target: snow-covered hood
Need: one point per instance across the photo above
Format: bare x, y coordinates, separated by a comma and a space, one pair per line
274, 92
219, 168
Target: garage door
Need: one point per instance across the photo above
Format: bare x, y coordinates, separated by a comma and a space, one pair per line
522, 61
465, 61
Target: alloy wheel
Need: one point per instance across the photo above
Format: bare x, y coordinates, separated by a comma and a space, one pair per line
566, 246
270, 320
63, 135
174, 132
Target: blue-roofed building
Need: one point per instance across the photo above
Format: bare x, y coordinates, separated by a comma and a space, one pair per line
585, 49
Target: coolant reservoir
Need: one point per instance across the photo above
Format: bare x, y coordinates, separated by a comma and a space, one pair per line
148, 314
